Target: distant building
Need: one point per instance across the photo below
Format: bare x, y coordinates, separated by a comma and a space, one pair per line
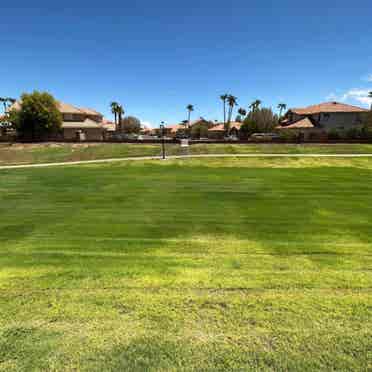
218, 130
323, 117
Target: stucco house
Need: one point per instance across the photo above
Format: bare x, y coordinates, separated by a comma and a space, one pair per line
218, 130
323, 118
78, 123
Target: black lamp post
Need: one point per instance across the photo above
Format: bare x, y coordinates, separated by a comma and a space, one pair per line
162, 139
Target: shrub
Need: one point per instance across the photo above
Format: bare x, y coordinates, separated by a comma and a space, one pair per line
366, 132
199, 130
130, 124
288, 135
334, 135
259, 121
353, 133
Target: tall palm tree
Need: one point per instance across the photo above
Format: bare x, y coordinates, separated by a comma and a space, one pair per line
282, 107
224, 98
232, 102
114, 110
120, 112
3, 101
190, 109
254, 106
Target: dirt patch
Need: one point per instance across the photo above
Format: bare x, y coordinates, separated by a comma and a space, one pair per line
32, 146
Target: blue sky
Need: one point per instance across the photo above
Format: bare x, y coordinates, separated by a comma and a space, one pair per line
155, 57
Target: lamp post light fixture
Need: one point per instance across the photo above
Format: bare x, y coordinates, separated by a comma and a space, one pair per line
162, 131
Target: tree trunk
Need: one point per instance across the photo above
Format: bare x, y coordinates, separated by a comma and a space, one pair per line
224, 112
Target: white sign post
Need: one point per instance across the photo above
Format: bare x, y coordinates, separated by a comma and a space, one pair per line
184, 142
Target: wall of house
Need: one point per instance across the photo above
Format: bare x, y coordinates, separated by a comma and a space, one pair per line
339, 120
216, 134
91, 134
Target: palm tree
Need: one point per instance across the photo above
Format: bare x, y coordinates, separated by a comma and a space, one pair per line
120, 113
224, 98
190, 109
3, 101
114, 110
282, 107
232, 102
254, 106
242, 112
7, 101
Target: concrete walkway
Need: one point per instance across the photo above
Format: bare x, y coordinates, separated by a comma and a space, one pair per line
251, 155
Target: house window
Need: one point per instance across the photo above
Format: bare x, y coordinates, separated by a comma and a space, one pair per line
68, 117
326, 117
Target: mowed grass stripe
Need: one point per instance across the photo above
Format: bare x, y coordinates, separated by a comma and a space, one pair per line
221, 264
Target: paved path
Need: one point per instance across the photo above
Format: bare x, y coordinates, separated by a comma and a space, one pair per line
251, 155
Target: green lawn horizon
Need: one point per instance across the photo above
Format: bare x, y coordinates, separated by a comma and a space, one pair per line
198, 264
12, 154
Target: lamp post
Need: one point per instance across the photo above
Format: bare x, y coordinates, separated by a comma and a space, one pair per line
162, 139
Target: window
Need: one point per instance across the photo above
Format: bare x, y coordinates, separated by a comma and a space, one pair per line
68, 117
326, 117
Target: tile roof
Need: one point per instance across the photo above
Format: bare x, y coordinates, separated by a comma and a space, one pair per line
220, 127
89, 111
304, 123
327, 107
174, 128
64, 108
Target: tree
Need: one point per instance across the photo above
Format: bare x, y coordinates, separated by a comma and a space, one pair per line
282, 107
190, 109
262, 120
232, 102
224, 99
242, 112
38, 116
114, 110
199, 130
238, 118
254, 106
130, 124
120, 112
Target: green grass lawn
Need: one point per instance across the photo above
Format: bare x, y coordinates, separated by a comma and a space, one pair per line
58, 152
195, 265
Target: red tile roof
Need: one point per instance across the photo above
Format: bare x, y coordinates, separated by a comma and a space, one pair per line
174, 128
304, 123
330, 107
220, 127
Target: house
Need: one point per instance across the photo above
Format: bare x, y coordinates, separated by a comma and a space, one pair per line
323, 118
171, 130
78, 123
218, 130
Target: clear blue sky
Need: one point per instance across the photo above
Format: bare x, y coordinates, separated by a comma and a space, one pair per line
155, 57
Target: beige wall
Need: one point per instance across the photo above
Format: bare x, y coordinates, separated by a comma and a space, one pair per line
339, 120
336, 120
91, 134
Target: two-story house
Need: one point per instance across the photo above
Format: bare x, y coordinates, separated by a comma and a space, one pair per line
324, 117
78, 123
